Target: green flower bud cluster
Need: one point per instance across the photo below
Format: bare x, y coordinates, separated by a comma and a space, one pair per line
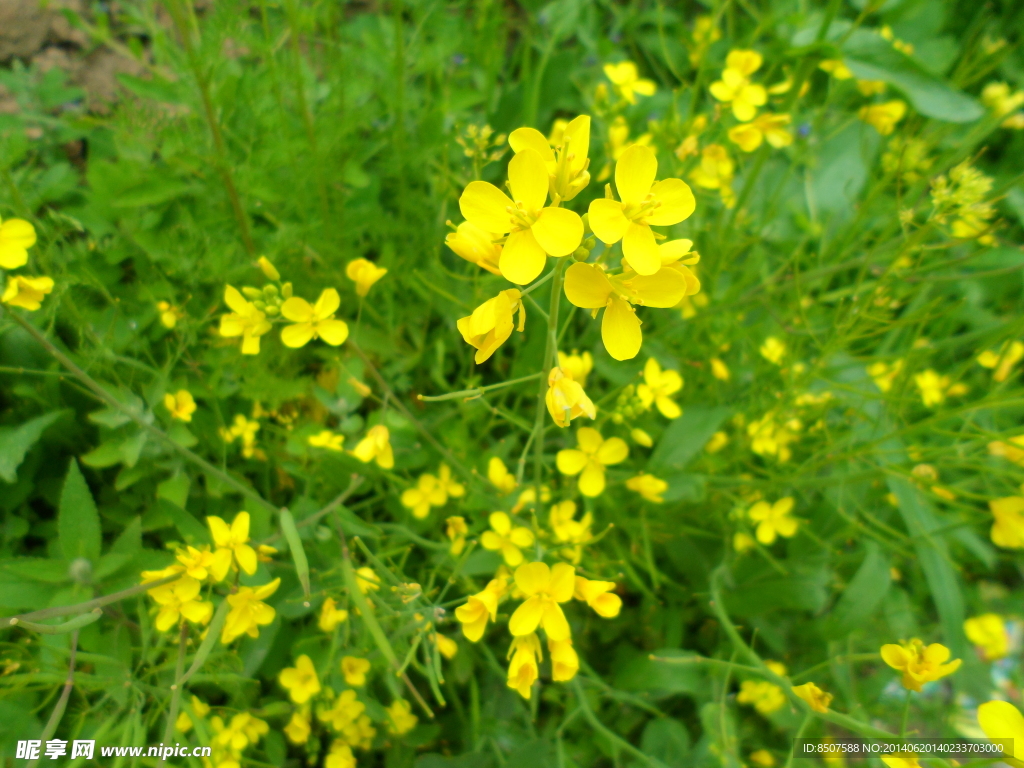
628, 405
269, 299
589, 243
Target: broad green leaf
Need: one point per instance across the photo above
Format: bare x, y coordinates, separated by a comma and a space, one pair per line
37, 569
803, 589
862, 595
686, 436
130, 540
666, 739
78, 522
193, 531
175, 489
111, 418
131, 448
105, 455
15, 442
872, 57
21, 594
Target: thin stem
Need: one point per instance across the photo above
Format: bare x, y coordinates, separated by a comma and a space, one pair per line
906, 714
88, 605
179, 670
477, 391
550, 349
62, 702
340, 499
616, 740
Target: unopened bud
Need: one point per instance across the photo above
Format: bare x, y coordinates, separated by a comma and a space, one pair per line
590, 243
272, 310
260, 305
270, 291
586, 223
252, 293
268, 269
581, 254
286, 290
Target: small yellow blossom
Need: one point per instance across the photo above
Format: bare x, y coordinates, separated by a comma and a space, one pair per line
242, 429
1013, 450
648, 486
243, 730
999, 98
505, 538
763, 696
715, 171
499, 475
544, 588
766, 127
445, 645
491, 323
202, 563
988, 632
836, 68
576, 364
476, 246
354, 669
400, 717
326, 439
883, 117
1002, 720
200, 708
590, 458
773, 350
719, 369
599, 596
313, 321
657, 387
26, 292
814, 696
932, 386
762, 758
565, 159
423, 496
919, 663
180, 600
181, 405
456, 530
339, 756
523, 669
331, 615
627, 82
376, 446
479, 608
267, 268
773, 520
245, 320
735, 87
717, 442
568, 530
565, 662
364, 274
1002, 362
248, 611
298, 728
1008, 526
566, 399
640, 437
883, 374
770, 438
301, 680
871, 87
16, 237
704, 34
169, 314
234, 538
367, 580
743, 542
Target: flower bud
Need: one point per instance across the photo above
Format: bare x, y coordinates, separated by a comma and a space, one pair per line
80, 570
590, 243
286, 290
272, 310
268, 268
270, 291
581, 254
252, 293
260, 305
586, 224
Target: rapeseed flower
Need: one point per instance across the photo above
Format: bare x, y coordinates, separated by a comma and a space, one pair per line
499, 475
423, 496
267, 268
340, 756
1002, 361
648, 486
181, 405
491, 323
836, 68
298, 728
313, 321
565, 159
566, 399
200, 708
1002, 720
999, 98
447, 485
327, 439
735, 87
507, 539
523, 670
627, 82
773, 520
919, 663
619, 142
202, 563
1008, 526
26, 292
445, 645
331, 615
476, 246
234, 539
244, 320
766, 127
773, 350
456, 530
544, 588
717, 442
300, 681
354, 669
814, 696
932, 386
169, 314
345, 711
589, 459
770, 438
719, 369
644, 202
704, 34
883, 374
534, 230
767, 698
16, 237
1013, 450
376, 446
568, 530
884, 117
640, 437
400, 717
579, 365
599, 596
479, 608
248, 611
657, 387
179, 601
716, 171
364, 274
367, 580
988, 633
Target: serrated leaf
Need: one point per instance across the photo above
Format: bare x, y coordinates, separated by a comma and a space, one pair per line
131, 448
78, 522
16, 441
686, 436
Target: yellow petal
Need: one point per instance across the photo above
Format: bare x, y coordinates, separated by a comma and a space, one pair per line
334, 332
607, 220
592, 480
532, 577
554, 623
297, 335
894, 655
327, 304
677, 202
589, 439
528, 177
246, 557
586, 286
570, 461
232, 297
17, 232
664, 289
640, 249
531, 138
612, 451
500, 522
558, 230
297, 310
577, 134
219, 529
528, 615
620, 329
563, 582
634, 173
486, 206
522, 258
1002, 720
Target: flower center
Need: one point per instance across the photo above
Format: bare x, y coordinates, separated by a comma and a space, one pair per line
637, 212
521, 217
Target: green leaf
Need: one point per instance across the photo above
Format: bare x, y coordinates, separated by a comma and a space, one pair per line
662, 678
194, 532
106, 455
291, 535
666, 739
20, 594
686, 436
862, 595
15, 442
130, 540
37, 569
872, 57
78, 522
175, 489
131, 448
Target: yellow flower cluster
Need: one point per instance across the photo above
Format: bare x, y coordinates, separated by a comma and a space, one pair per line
919, 663
16, 237
431, 491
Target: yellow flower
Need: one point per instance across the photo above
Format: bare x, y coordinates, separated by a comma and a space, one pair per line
743, 542
476, 246
871, 87
448, 486
715, 171
919, 664
773, 520
346, 711
367, 580
1002, 361
648, 486
988, 632
200, 563
762, 758
478, 608
354, 669
26, 292
883, 117
401, 718
644, 202
180, 600
640, 437
298, 729
836, 68
814, 696
331, 615
766, 127
719, 369
569, 530
243, 731
735, 86
313, 321
768, 438
16, 237
301, 680
376, 446
588, 287
525, 653
340, 756
773, 350
456, 531
598, 595
1008, 527
244, 429
169, 314
267, 268
499, 475
998, 98
763, 696
1002, 720
235, 538
1014, 450
445, 645
932, 386
704, 34
505, 539
248, 611
576, 364
326, 439
544, 588
884, 374
593, 454
181, 405
565, 159
566, 399
627, 81
426, 494
364, 274
245, 321
657, 387
491, 323
184, 723
533, 229
717, 442
565, 662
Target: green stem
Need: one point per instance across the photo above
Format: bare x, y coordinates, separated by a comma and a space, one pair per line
550, 350
906, 714
477, 391
88, 605
179, 669
617, 741
62, 702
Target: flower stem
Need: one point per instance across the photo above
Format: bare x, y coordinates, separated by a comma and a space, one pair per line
550, 350
179, 670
